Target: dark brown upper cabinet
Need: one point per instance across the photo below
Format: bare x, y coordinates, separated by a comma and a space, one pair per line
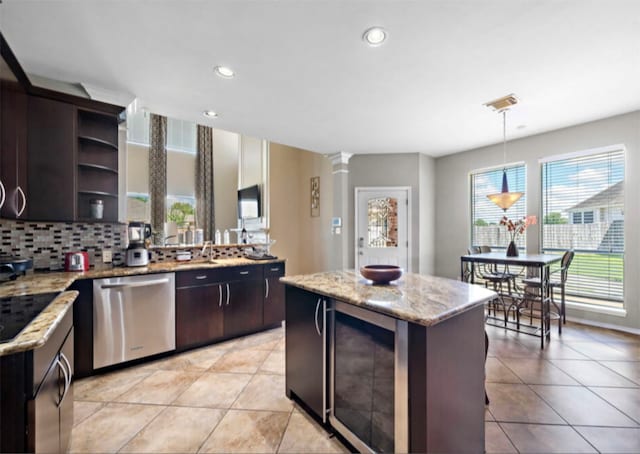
51, 169
58, 152
13, 149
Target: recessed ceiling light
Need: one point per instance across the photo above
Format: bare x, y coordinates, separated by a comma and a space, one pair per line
224, 72
210, 114
374, 36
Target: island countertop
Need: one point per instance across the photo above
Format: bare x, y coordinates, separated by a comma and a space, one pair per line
421, 299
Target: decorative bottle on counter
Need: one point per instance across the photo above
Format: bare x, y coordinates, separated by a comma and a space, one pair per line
188, 235
217, 240
227, 240
243, 236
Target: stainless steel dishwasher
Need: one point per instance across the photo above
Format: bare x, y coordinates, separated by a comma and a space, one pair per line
133, 317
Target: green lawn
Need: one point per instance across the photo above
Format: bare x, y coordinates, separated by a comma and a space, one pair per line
598, 265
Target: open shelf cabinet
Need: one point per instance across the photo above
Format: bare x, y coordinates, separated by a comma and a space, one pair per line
97, 164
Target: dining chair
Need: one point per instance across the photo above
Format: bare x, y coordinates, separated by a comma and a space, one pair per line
490, 275
535, 283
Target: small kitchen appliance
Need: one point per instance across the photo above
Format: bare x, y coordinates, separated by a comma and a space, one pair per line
137, 254
11, 267
76, 261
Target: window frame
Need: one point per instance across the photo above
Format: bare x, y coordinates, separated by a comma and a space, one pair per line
610, 306
470, 192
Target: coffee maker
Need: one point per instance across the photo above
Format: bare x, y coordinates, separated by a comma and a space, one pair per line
137, 254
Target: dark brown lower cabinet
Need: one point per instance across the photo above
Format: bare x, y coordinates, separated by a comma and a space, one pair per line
36, 394
53, 404
273, 310
243, 303
304, 348
199, 315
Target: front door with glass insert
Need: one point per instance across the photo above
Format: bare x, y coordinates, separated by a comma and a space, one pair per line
382, 227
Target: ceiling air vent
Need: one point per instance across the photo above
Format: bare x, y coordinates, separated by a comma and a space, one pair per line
503, 103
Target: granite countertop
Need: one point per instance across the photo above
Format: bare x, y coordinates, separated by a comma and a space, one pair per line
37, 333
416, 298
57, 281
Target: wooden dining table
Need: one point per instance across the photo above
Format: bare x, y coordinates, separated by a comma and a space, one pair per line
541, 262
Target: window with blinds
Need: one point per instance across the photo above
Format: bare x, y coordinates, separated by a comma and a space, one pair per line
583, 210
485, 215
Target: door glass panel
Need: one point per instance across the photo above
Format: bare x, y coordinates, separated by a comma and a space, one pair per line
382, 222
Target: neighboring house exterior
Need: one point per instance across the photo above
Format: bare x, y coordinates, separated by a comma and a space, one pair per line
606, 206
604, 210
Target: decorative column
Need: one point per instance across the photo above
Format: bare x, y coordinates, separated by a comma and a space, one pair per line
340, 221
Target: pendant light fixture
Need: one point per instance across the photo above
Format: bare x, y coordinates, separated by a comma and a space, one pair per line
504, 199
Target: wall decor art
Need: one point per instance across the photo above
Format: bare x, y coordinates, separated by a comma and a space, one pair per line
315, 196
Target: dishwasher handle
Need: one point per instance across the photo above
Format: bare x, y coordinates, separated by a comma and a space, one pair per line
135, 284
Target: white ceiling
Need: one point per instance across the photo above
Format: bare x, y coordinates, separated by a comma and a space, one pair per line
305, 77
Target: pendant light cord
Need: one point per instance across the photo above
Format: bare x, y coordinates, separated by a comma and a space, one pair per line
504, 139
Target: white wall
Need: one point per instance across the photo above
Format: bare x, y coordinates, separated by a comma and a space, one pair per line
452, 224
406, 169
225, 179
427, 209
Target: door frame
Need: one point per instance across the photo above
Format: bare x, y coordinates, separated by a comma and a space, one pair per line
357, 191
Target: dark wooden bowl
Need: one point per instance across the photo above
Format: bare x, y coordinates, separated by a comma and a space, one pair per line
381, 274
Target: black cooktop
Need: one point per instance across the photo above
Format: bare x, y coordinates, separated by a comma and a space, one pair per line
17, 312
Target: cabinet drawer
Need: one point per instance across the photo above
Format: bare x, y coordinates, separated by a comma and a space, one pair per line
241, 273
198, 277
274, 270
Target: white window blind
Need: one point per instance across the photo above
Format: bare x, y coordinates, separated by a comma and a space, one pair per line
485, 215
138, 127
181, 135
583, 210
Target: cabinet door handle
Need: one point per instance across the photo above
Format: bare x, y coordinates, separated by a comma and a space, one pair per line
324, 361
66, 381
69, 368
244, 273
24, 201
316, 317
201, 277
3, 195
275, 269
220, 295
228, 294
266, 293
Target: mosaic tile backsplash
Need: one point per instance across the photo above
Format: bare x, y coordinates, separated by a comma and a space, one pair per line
47, 242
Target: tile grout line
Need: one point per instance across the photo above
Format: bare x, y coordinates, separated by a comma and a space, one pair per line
212, 430
138, 432
286, 427
506, 435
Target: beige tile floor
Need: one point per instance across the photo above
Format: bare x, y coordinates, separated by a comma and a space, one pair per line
224, 398
580, 394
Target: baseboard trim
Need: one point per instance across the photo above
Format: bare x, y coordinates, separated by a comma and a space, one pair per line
625, 329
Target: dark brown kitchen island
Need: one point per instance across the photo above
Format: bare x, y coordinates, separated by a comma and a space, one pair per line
392, 368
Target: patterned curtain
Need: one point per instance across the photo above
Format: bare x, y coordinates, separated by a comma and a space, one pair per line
204, 181
158, 171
